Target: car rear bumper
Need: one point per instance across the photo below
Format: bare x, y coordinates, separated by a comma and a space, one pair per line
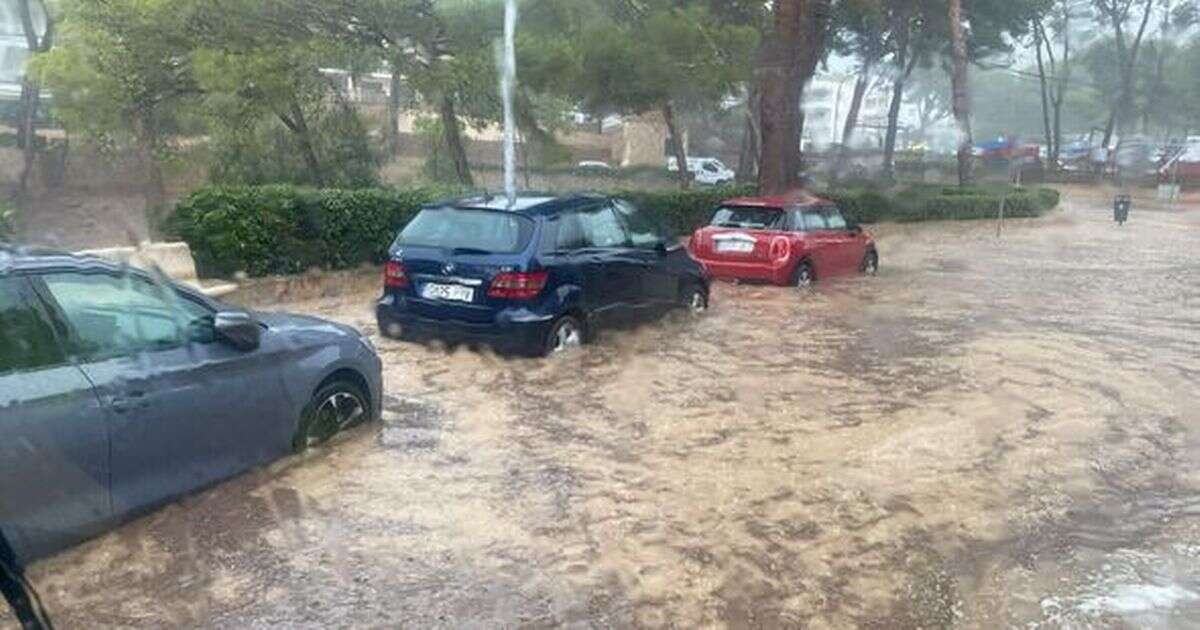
514, 330
761, 271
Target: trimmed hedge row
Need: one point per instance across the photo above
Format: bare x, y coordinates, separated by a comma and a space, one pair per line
282, 229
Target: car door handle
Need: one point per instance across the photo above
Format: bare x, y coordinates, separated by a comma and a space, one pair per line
129, 402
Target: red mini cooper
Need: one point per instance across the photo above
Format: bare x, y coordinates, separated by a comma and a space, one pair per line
788, 240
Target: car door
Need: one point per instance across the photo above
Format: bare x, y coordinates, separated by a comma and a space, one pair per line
818, 240
654, 254
54, 442
848, 251
186, 410
613, 267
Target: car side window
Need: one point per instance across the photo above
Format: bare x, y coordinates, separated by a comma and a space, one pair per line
116, 316
834, 218
570, 235
27, 340
814, 220
644, 231
601, 228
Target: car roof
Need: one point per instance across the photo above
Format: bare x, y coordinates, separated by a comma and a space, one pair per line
778, 202
526, 203
14, 258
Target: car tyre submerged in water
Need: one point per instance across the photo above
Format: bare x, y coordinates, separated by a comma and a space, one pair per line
803, 277
335, 407
870, 263
566, 334
695, 300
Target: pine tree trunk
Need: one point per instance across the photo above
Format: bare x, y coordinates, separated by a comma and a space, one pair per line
452, 136
893, 124
300, 127
961, 94
685, 175
393, 113
786, 62
860, 92
155, 188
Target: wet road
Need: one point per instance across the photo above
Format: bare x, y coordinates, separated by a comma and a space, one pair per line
992, 433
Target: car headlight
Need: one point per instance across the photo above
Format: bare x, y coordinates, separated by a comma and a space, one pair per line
366, 341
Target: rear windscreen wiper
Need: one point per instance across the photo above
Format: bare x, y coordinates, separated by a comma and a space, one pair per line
469, 251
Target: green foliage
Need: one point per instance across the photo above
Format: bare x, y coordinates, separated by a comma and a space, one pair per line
264, 151
937, 203
8, 217
682, 211
664, 54
284, 229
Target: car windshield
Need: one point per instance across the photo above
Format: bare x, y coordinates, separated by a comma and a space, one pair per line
749, 218
481, 231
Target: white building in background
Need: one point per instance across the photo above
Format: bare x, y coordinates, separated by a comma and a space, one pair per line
827, 103
14, 51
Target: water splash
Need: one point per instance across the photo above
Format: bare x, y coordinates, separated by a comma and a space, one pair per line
508, 79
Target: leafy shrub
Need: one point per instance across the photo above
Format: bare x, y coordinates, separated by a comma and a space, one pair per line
682, 211
8, 216
283, 229
264, 151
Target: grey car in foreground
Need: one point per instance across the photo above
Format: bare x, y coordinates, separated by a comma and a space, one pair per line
119, 392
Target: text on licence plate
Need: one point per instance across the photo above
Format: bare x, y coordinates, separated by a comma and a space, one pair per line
735, 246
450, 292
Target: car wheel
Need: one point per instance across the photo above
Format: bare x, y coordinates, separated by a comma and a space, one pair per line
695, 300
870, 263
803, 278
566, 334
335, 407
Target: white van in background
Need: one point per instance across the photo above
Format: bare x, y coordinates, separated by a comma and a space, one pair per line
705, 170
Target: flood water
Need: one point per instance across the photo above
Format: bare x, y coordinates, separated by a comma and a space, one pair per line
992, 433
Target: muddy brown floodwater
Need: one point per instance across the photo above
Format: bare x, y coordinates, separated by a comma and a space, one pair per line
992, 433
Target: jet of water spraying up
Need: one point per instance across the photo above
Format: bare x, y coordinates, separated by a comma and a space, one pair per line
508, 79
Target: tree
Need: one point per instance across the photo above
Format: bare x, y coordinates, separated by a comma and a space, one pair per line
658, 56
793, 45
913, 35
961, 95
1055, 69
930, 91
38, 39
861, 32
1118, 14
120, 70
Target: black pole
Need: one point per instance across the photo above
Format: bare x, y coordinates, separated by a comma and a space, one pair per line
19, 592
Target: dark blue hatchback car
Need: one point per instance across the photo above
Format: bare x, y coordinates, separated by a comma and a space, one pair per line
536, 276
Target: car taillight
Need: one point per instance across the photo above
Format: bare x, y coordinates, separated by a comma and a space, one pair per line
781, 248
394, 275
518, 285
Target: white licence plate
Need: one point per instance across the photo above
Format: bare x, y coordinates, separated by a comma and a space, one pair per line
451, 292
735, 246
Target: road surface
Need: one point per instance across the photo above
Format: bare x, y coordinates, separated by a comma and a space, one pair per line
992, 433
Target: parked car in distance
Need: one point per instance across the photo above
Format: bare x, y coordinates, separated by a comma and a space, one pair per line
706, 171
593, 168
786, 240
534, 277
120, 392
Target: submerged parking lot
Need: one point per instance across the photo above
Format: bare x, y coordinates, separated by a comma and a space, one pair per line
993, 432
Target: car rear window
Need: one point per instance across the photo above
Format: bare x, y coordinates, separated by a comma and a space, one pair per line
486, 231
748, 218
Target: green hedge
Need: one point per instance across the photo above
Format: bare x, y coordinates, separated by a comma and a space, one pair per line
281, 229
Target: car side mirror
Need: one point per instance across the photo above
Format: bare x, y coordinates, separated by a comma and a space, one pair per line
662, 248
854, 228
237, 329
